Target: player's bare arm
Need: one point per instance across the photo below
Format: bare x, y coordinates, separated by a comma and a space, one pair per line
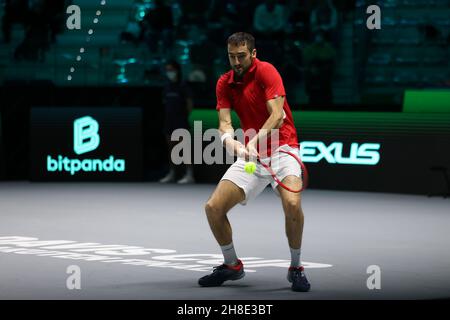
226, 131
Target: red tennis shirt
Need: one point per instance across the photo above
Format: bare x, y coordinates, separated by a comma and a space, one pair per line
248, 98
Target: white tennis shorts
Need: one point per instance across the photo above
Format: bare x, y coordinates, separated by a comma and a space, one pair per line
281, 163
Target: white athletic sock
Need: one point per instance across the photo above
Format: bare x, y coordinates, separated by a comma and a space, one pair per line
229, 254
295, 257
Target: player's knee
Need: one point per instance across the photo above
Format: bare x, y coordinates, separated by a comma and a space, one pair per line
292, 207
212, 209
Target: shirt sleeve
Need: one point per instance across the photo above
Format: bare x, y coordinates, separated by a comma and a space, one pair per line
222, 94
271, 81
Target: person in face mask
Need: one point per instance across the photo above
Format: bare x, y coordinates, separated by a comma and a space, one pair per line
172, 75
177, 99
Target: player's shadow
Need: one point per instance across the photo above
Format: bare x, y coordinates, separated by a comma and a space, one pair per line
170, 285
188, 289
281, 289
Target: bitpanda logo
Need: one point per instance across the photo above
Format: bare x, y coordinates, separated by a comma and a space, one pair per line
85, 135
86, 138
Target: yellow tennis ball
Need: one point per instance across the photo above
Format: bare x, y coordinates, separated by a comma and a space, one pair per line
250, 167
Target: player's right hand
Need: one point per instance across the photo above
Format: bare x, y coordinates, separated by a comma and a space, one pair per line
241, 151
251, 153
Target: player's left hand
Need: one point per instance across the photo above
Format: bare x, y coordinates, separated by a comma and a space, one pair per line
252, 152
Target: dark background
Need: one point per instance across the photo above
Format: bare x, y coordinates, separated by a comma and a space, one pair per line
122, 66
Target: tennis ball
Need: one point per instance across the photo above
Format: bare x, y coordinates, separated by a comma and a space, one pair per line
250, 167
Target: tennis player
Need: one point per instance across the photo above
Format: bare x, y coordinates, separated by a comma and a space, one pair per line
254, 89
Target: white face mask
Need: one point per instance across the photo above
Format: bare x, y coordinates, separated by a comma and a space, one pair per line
171, 75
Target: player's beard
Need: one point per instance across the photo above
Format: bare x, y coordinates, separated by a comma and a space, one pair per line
240, 72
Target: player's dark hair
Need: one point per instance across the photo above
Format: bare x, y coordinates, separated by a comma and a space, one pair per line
242, 38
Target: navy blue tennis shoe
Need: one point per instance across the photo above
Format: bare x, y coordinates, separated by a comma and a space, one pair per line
221, 274
296, 276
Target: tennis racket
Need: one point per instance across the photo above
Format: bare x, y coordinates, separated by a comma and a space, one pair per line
274, 176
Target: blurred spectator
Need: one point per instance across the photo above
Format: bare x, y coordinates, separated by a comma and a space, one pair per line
157, 28
16, 11
324, 18
220, 21
299, 21
178, 104
194, 11
200, 59
291, 66
216, 10
269, 29
132, 31
319, 59
201, 75
37, 31
242, 13
345, 6
227, 17
269, 19
55, 13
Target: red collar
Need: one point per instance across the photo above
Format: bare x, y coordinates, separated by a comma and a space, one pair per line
246, 75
